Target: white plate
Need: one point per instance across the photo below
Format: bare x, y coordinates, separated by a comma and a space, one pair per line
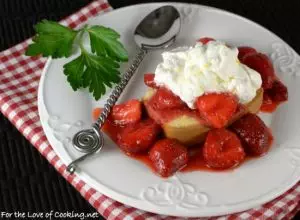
63, 112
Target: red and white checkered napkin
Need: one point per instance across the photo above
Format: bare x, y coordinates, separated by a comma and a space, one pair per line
19, 79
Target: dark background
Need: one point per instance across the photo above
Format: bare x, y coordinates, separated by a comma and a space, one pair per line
27, 181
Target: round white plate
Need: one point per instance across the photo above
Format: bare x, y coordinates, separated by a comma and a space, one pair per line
63, 112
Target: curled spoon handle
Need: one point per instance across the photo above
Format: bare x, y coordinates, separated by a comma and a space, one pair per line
91, 140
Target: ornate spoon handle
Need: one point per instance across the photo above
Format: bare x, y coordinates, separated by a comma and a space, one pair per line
90, 141
119, 89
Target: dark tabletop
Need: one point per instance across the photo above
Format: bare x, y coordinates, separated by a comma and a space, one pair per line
27, 181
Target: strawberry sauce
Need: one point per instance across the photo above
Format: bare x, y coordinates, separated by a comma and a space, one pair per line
196, 161
274, 96
269, 107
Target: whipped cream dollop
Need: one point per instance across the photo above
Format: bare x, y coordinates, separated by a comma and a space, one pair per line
189, 72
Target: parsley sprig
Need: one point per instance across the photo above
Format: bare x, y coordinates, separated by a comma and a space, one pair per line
96, 70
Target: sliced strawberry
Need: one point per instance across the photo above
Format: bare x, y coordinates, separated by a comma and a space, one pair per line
112, 130
109, 128
165, 99
274, 96
166, 115
122, 114
243, 51
205, 40
262, 64
278, 92
217, 108
267, 99
138, 137
254, 134
149, 80
222, 149
268, 105
128, 112
168, 156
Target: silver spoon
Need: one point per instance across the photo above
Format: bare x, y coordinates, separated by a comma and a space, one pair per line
157, 30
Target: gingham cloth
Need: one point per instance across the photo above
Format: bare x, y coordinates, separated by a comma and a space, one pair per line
19, 79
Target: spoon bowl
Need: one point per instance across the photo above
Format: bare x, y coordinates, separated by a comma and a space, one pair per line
158, 29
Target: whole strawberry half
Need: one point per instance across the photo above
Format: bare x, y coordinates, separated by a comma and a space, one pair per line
138, 137
222, 149
123, 114
149, 80
278, 92
262, 64
217, 108
243, 51
168, 156
254, 134
165, 99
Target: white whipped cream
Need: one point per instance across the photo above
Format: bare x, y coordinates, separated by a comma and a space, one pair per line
189, 72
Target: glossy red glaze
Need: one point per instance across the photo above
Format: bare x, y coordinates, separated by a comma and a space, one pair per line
223, 149
165, 99
205, 40
112, 130
166, 115
196, 161
269, 107
262, 64
126, 113
243, 51
217, 108
149, 80
122, 114
138, 137
274, 96
253, 133
168, 156
278, 92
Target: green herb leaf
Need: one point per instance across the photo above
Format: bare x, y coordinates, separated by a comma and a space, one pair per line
52, 39
74, 72
100, 72
92, 71
104, 41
